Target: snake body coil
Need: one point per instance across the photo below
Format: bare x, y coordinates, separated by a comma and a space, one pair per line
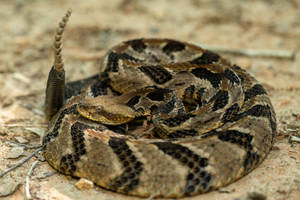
163, 118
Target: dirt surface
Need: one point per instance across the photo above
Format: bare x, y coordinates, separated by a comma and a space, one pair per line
26, 37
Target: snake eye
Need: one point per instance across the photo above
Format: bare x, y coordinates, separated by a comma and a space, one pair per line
98, 109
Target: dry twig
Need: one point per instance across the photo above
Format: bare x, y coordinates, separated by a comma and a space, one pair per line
46, 175
294, 139
20, 163
27, 184
27, 146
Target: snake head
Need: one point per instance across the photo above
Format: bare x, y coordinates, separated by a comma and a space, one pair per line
105, 110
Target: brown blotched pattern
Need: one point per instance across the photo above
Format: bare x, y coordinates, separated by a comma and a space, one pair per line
132, 168
214, 122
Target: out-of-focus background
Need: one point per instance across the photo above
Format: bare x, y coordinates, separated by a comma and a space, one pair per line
26, 38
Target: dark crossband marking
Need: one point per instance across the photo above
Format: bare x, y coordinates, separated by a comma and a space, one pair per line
254, 91
67, 162
250, 160
221, 100
176, 121
120, 129
133, 101
158, 94
137, 45
203, 73
241, 72
112, 64
231, 76
173, 46
99, 89
244, 141
257, 111
197, 179
237, 137
78, 139
158, 74
230, 112
238, 68
54, 132
113, 58
75, 87
153, 109
182, 133
207, 57
129, 179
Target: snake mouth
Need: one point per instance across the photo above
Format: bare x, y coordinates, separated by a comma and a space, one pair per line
98, 113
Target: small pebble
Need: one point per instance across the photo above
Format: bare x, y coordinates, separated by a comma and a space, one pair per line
84, 184
15, 152
21, 140
8, 186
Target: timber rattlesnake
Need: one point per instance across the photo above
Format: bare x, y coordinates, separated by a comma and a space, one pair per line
163, 118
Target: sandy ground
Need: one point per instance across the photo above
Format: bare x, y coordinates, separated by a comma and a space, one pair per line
26, 35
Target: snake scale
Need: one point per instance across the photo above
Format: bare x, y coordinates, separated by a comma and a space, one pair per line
163, 118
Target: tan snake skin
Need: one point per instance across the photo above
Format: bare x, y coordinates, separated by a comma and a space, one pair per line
163, 118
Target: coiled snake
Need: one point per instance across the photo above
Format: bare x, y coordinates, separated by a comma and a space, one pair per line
163, 118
